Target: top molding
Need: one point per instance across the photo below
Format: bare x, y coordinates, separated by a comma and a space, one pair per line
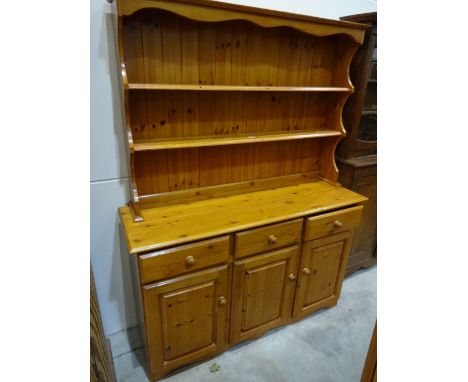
208, 10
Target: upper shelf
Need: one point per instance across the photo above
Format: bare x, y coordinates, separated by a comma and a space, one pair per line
148, 86
221, 140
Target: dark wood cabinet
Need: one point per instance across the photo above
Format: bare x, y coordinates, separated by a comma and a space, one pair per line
356, 155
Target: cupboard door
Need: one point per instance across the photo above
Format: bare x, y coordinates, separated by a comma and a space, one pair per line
321, 272
263, 289
185, 319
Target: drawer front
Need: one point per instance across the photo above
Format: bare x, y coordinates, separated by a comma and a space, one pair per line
268, 238
361, 172
167, 263
333, 222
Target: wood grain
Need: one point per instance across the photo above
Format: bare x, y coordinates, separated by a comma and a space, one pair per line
212, 166
162, 115
176, 53
191, 83
333, 222
267, 238
186, 323
163, 226
233, 115
321, 273
244, 186
205, 10
262, 293
236, 88
168, 263
178, 143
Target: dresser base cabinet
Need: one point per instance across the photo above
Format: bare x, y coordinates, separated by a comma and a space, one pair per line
200, 297
193, 315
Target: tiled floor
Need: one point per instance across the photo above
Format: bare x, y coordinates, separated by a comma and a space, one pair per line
329, 346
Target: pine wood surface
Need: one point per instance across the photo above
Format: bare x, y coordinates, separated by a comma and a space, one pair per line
263, 291
221, 190
182, 223
205, 10
232, 115
150, 86
169, 49
333, 222
321, 273
184, 114
166, 171
187, 258
259, 93
267, 238
187, 320
207, 141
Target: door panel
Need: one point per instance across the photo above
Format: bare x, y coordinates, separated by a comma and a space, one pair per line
263, 290
186, 318
321, 273
263, 293
324, 265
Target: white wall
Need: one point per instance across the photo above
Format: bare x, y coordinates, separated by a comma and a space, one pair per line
109, 171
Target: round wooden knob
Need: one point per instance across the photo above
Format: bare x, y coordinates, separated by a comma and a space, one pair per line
306, 271
272, 239
337, 224
292, 277
222, 300
189, 260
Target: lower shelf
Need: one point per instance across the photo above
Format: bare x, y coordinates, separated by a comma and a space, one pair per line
181, 223
221, 140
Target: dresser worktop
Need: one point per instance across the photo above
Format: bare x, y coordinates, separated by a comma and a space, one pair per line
181, 223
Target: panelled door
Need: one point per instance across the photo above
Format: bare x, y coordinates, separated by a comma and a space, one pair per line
186, 318
263, 290
321, 272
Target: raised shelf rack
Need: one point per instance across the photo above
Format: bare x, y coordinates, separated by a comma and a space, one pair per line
223, 99
186, 142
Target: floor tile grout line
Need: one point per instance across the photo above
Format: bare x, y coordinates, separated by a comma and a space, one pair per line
130, 351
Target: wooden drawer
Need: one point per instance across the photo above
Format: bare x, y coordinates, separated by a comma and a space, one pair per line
365, 171
333, 222
268, 238
167, 263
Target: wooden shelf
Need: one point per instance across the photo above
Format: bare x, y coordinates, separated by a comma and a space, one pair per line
147, 86
181, 223
222, 140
